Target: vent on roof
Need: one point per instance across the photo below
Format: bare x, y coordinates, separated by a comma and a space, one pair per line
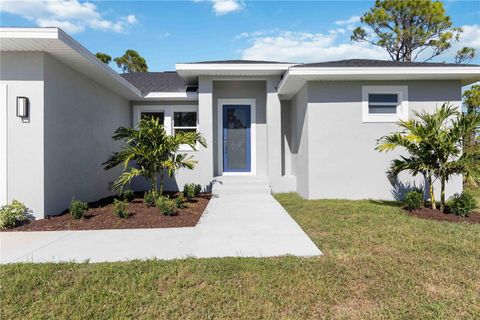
192, 88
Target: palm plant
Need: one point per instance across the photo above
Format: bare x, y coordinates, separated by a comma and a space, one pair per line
434, 143
150, 152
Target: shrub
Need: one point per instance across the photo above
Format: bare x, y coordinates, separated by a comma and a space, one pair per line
167, 206
150, 198
462, 204
197, 189
128, 195
189, 191
13, 213
78, 208
414, 200
181, 201
120, 208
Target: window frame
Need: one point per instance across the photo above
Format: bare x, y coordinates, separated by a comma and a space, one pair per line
402, 104
168, 121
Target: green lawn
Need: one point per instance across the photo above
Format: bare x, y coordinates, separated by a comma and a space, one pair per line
378, 263
476, 194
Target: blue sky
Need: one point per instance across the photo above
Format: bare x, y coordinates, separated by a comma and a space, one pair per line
169, 32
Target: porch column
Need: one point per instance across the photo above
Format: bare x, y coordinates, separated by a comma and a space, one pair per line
205, 121
274, 134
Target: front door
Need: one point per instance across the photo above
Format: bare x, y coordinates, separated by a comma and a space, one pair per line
236, 138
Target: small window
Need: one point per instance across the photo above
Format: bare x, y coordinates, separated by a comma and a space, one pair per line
184, 122
384, 103
157, 115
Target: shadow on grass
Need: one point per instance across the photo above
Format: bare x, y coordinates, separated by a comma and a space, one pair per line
387, 203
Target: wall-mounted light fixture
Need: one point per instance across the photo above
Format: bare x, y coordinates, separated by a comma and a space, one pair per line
22, 107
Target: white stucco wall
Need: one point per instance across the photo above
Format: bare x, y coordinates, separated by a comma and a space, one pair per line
80, 118
342, 160
23, 74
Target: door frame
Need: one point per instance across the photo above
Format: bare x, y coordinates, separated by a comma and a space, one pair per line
253, 136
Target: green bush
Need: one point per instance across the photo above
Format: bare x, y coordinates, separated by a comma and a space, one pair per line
414, 200
128, 195
150, 198
167, 206
461, 204
120, 208
189, 191
197, 189
77, 209
13, 213
181, 201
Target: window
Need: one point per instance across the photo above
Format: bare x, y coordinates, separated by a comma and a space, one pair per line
158, 115
384, 103
184, 121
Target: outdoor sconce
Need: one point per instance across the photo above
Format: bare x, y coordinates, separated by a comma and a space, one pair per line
22, 107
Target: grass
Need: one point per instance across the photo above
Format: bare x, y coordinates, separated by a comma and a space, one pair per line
379, 263
476, 194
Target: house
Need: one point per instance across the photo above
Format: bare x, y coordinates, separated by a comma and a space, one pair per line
307, 128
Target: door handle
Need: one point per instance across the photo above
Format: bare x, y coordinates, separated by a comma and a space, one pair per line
225, 146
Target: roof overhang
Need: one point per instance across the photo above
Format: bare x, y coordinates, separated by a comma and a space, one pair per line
191, 71
296, 78
61, 46
175, 96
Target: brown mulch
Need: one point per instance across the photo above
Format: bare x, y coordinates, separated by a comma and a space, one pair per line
429, 213
100, 216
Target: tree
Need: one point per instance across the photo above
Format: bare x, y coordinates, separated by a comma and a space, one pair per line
131, 61
471, 103
465, 55
435, 146
407, 28
150, 152
105, 58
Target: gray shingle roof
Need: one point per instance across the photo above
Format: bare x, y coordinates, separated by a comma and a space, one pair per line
168, 81
376, 63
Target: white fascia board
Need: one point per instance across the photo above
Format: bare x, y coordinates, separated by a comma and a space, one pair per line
66, 47
460, 71
34, 33
192, 96
99, 64
232, 66
295, 78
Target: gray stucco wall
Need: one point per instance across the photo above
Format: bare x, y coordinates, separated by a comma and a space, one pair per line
80, 118
245, 89
23, 74
342, 160
299, 141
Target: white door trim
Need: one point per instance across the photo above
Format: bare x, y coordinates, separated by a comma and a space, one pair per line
3, 144
253, 136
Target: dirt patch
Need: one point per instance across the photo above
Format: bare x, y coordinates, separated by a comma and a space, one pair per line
428, 213
100, 216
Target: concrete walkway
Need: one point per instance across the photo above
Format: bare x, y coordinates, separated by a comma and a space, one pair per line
242, 219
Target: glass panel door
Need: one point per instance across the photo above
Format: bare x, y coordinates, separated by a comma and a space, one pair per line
236, 138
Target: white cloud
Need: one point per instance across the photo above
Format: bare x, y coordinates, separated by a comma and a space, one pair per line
351, 20
221, 7
163, 35
334, 45
309, 47
70, 15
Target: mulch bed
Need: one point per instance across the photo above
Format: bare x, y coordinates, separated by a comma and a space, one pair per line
100, 216
428, 213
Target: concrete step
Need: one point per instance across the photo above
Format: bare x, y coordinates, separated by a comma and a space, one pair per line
240, 185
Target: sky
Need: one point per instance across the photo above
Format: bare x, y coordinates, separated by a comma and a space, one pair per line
169, 32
